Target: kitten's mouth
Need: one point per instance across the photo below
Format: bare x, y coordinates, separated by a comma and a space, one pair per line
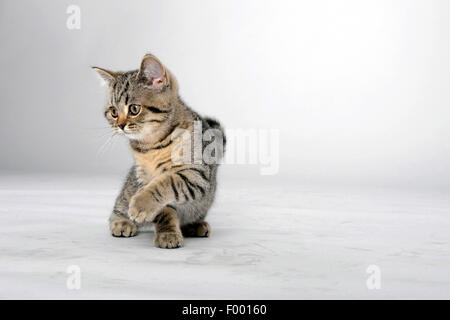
127, 130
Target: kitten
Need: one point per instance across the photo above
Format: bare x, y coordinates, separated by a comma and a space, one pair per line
144, 105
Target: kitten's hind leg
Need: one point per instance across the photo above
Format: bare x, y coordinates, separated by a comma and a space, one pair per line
167, 229
197, 229
121, 226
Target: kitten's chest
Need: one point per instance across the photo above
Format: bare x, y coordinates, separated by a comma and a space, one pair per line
151, 164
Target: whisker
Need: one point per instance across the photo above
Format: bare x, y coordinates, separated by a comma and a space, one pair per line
97, 128
102, 148
101, 136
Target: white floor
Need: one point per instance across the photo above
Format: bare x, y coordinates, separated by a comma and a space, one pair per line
270, 241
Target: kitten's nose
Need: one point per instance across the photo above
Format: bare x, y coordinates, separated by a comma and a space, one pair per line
122, 125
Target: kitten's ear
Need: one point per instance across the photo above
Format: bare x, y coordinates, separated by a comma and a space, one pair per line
106, 75
152, 73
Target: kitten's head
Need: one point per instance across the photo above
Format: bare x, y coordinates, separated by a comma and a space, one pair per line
140, 102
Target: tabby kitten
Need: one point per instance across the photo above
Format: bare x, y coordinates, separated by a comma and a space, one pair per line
144, 105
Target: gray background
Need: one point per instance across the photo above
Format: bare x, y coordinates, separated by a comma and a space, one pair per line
358, 89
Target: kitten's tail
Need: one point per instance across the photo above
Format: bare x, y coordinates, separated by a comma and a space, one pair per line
213, 123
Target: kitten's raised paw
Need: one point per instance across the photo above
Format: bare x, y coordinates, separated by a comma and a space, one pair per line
197, 229
143, 208
123, 228
168, 240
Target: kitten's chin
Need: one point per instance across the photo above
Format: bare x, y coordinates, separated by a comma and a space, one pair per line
138, 136
134, 136
144, 135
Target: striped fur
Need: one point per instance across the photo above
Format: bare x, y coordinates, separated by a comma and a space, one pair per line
174, 197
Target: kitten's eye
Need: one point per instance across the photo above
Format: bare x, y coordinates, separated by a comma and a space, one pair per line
114, 112
134, 109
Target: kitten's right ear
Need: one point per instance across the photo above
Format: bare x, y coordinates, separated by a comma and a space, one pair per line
152, 73
106, 75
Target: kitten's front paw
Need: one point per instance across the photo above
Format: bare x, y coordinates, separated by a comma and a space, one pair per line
168, 240
143, 208
123, 228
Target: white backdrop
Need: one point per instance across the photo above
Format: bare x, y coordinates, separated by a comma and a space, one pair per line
358, 89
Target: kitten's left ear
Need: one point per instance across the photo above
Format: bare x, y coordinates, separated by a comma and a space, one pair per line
152, 73
106, 75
